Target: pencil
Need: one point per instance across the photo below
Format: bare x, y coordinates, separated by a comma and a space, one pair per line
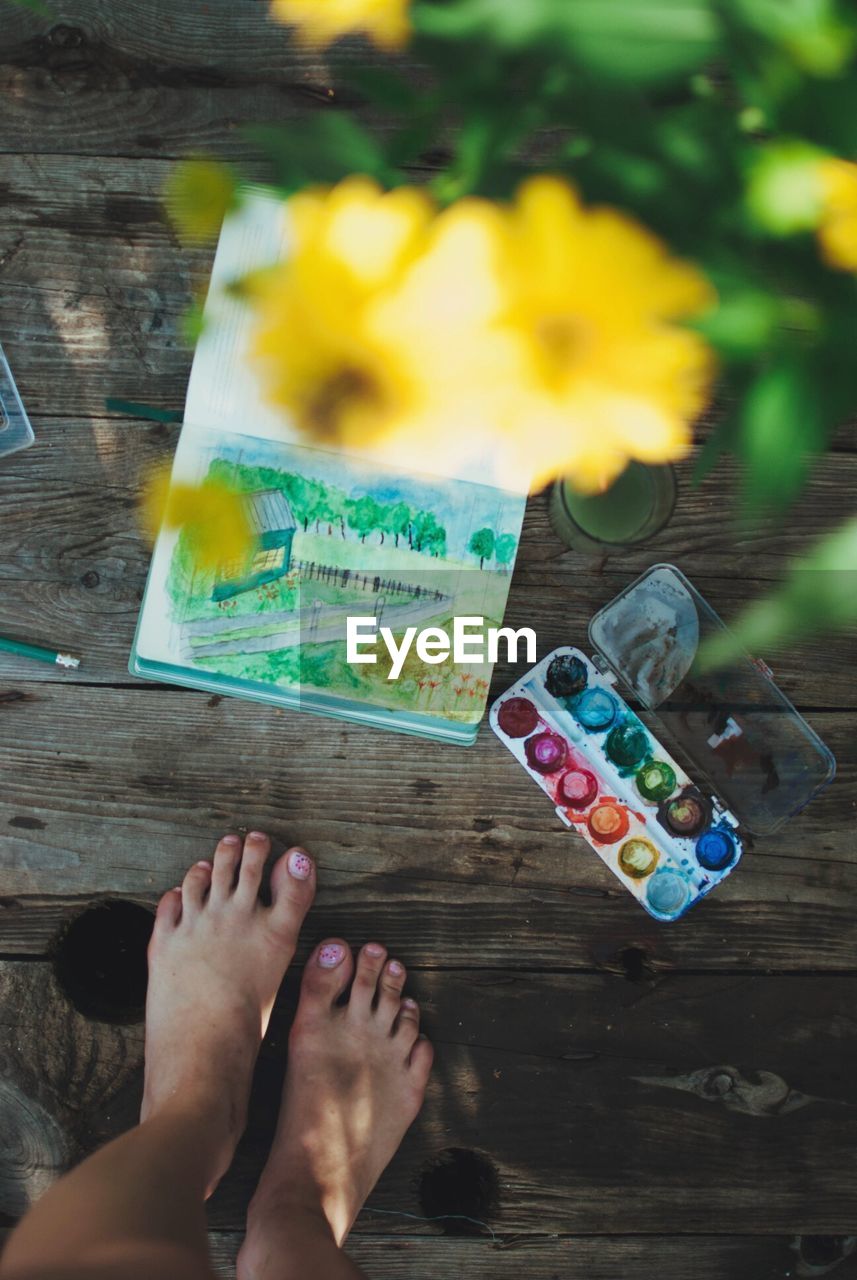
37, 653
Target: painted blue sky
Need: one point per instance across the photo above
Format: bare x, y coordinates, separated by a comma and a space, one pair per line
461, 507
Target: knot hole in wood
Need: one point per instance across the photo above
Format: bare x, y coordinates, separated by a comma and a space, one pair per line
635, 964
819, 1255
100, 963
463, 1188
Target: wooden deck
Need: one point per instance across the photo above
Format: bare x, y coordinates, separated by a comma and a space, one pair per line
636, 1100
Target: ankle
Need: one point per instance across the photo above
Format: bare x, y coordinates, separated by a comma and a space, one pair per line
299, 1208
202, 1122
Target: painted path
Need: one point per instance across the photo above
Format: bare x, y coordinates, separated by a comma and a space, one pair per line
311, 623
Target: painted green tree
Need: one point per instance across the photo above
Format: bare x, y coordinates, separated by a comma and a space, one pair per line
399, 521
364, 515
504, 549
481, 544
428, 534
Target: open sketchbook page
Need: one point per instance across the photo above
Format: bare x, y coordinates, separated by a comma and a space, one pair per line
224, 391
335, 537
337, 534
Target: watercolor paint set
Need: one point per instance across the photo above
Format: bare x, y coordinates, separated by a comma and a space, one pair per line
669, 837
15, 430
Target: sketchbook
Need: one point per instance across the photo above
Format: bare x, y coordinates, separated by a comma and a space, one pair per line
337, 534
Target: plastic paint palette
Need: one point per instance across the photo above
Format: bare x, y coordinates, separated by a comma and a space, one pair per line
667, 841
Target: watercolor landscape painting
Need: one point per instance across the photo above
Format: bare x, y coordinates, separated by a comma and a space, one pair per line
334, 537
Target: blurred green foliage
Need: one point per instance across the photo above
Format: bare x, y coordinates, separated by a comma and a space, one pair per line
705, 119
37, 6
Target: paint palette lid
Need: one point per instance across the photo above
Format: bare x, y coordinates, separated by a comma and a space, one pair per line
734, 724
15, 430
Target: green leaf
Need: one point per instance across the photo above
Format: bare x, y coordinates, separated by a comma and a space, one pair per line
642, 42
782, 429
323, 149
408, 145
784, 188
193, 324
639, 41
825, 112
385, 88
721, 441
819, 596
198, 194
744, 322
818, 35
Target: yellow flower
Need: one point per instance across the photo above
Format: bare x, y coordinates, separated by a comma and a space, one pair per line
837, 228
212, 516
609, 374
320, 22
381, 329
543, 334
314, 346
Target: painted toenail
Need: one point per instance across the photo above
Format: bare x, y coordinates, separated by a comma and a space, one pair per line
373, 949
395, 968
331, 955
256, 835
233, 840
409, 1003
299, 865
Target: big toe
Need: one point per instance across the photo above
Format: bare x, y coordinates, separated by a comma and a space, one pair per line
293, 884
326, 975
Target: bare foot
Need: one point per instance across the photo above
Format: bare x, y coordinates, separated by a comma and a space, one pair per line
356, 1078
216, 960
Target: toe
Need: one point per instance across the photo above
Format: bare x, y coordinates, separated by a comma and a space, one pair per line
390, 991
168, 914
257, 846
370, 962
226, 857
194, 888
419, 1064
293, 882
407, 1027
328, 972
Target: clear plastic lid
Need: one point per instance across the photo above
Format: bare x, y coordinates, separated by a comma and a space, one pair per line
738, 729
15, 430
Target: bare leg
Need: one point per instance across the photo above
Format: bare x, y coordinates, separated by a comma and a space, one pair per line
356, 1079
216, 961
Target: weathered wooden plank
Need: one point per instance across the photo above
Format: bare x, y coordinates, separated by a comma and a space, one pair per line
73, 562
705, 1257
596, 1101
569, 1257
150, 81
213, 33
462, 861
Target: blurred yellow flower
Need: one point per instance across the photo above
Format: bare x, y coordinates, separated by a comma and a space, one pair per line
837, 228
320, 22
609, 374
381, 329
212, 516
314, 345
543, 330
